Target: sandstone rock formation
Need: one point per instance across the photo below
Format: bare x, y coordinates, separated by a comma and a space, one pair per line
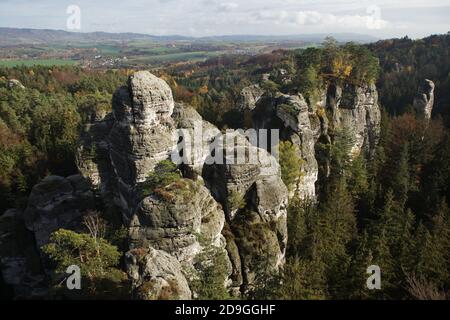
142, 133
19, 259
156, 275
171, 219
54, 203
240, 208
250, 96
188, 122
57, 203
351, 108
355, 108
255, 202
424, 100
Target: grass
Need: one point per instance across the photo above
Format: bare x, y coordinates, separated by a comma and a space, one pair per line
36, 62
182, 56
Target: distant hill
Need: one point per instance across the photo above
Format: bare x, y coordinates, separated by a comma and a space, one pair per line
16, 36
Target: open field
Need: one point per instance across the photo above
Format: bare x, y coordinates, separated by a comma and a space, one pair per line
35, 62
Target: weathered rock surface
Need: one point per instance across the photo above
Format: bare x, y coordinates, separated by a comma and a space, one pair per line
424, 100
57, 203
174, 217
351, 108
291, 115
93, 160
250, 96
19, 259
142, 134
255, 202
14, 83
156, 275
171, 226
189, 123
355, 108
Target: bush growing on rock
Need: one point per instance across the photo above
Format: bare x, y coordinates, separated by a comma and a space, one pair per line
97, 259
290, 164
236, 201
165, 173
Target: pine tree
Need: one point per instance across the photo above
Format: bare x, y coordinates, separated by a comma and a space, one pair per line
361, 260
401, 175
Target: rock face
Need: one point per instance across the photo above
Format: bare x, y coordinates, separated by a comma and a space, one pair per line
171, 219
291, 115
54, 203
93, 159
188, 121
19, 259
355, 108
294, 113
250, 96
351, 108
424, 100
182, 218
142, 133
156, 275
255, 201
57, 203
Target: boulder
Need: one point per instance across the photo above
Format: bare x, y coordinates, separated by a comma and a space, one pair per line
250, 96
156, 275
14, 83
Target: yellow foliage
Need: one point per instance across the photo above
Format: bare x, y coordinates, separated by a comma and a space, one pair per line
348, 70
320, 112
203, 90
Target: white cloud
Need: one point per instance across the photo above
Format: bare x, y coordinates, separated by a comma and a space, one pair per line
206, 17
316, 18
228, 6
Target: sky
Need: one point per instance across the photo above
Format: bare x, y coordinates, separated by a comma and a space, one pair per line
379, 18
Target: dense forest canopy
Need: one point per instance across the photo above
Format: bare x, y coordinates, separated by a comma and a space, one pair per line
40, 122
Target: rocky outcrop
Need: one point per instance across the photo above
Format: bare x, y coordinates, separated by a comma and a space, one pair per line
54, 203
20, 263
351, 108
250, 96
424, 100
142, 134
215, 206
291, 115
156, 275
92, 156
189, 123
57, 203
355, 109
14, 83
255, 201
173, 217
294, 113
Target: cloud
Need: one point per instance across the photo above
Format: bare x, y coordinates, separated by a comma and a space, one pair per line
382, 18
316, 18
228, 6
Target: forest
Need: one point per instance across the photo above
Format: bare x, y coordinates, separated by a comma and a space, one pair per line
391, 209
